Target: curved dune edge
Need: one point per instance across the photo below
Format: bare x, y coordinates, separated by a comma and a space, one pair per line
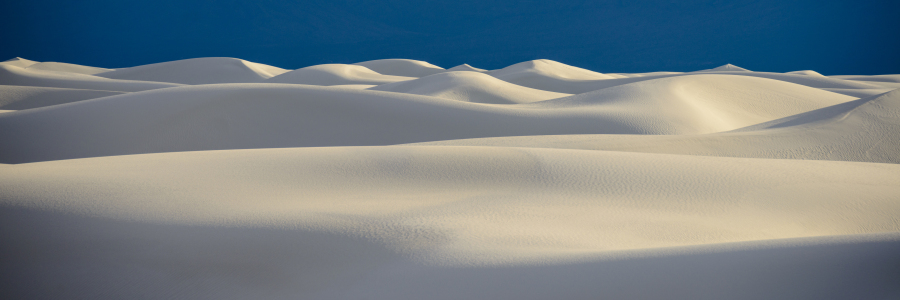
864, 130
476, 204
239, 116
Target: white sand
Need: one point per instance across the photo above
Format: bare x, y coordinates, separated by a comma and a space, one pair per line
198, 71
402, 67
470, 87
335, 74
536, 181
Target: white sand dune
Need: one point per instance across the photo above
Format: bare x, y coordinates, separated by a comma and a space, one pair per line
469, 87
205, 70
402, 67
536, 74
865, 130
699, 103
24, 97
69, 68
860, 93
895, 78
12, 75
335, 74
548, 75
239, 116
807, 73
18, 62
726, 68
442, 207
465, 67
536, 181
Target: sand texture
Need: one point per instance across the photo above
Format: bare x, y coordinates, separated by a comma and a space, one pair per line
220, 178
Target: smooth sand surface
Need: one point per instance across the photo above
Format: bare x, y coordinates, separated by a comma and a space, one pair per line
218, 178
198, 71
335, 74
470, 87
402, 67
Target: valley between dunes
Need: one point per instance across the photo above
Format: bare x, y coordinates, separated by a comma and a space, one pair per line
220, 178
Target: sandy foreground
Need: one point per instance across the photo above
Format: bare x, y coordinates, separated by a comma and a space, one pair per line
219, 178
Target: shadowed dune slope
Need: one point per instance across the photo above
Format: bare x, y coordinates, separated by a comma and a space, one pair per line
866, 130
271, 115
12, 75
807, 73
207, 70
895, 78
553, 76
335, 74
24, 97
726, 68
469, 87
465, 67
548, 75
65, 67
473, 205
18, 62
402, 67
700, 103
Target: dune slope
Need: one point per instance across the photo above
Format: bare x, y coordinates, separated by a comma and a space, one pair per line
235, 116
12, 75
205, 70
865, 130
335, 74
469, 87
401, 67
24, 97
548, 75
64, 67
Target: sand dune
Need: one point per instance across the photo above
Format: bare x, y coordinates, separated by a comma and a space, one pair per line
69, 68
469, 87
700, 103
397, 179
267, 115
860, 93
536, 75
24, 97
477, 204
548, 75
335, 74
402, 67
895, 78
806, 72
865, 130
18, 62
12, 75
206, 70
465, 67
726, 68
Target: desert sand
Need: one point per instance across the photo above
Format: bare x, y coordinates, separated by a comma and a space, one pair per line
220, 178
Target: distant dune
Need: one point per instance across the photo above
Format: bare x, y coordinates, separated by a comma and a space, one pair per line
221, 178
335, 74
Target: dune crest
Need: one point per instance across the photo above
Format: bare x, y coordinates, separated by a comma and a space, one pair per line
69, 68
18, 62
402, 67
207, 70
335, 74
548, 75
465, 67
469, 87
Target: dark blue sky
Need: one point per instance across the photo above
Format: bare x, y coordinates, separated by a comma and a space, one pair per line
832, 37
